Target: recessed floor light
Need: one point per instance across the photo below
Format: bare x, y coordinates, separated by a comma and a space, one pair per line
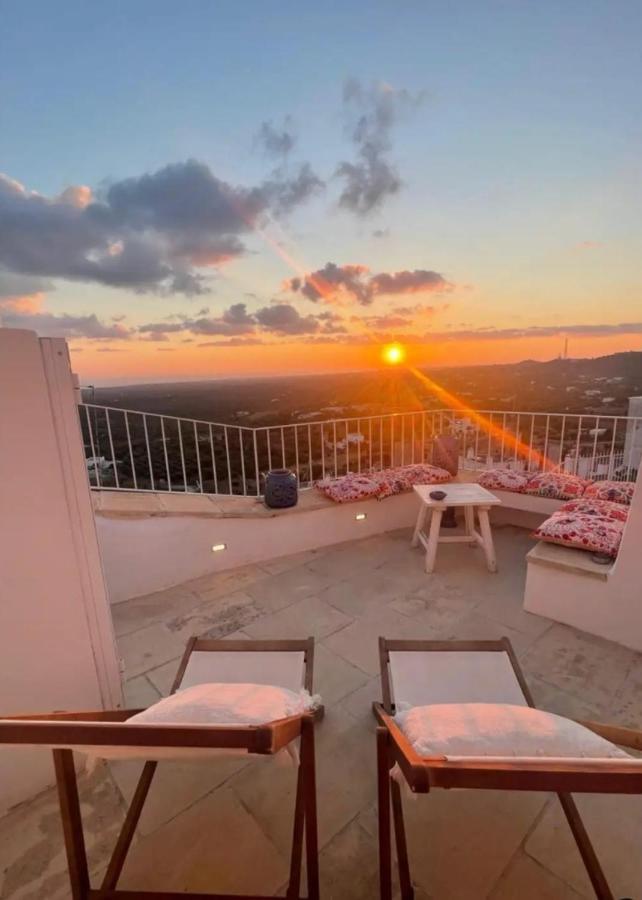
218, 547
360, 517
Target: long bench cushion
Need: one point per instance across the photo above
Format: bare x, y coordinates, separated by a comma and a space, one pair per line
385, 483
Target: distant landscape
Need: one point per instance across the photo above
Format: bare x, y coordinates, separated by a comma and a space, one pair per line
599, 386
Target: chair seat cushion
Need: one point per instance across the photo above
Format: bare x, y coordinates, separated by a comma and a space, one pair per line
615, 491
556, 485
211, 705
596, 533
499, 730
503, 480
225, 704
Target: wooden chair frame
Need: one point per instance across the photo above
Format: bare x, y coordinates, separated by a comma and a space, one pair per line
422, 774
102, 728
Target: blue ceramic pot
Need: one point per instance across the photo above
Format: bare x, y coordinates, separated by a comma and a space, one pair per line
281, 489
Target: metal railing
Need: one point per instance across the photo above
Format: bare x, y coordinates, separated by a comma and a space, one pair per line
132, 450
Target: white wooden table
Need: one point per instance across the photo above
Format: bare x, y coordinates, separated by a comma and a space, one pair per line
471, 497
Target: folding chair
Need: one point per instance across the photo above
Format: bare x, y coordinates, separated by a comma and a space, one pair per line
419, 673
287, 664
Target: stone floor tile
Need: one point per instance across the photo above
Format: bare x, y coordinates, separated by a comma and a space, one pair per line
307, 617
148, 648
349, 865
140, 693
268, 791
162, 677
130, 615
209, 587
626, 706
215, 619
33, 865
285, 563
275, 592
527, 880
552, 699
359, 703
477, 627
614, 825
334, 677
216, 845
460, 842
507, 608
176, 785
366, 592
359, 642
580, 664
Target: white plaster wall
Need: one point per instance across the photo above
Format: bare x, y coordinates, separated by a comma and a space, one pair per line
56, 644
610, 608
150, 553
141, 555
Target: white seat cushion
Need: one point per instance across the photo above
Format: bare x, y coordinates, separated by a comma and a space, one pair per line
207, 705
225, 704
500, 730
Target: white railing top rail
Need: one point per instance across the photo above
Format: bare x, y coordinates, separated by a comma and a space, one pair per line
464, 413
142, 412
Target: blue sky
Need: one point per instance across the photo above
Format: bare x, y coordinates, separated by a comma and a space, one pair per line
520, 168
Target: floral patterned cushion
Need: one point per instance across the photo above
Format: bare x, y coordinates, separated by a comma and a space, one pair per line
503, 480
556, 485
586, 532
349, 487
402, 478
616, 491
385, 483
588, 507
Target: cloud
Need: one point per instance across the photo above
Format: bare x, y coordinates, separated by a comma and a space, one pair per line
537, 331
65, 325
337, 284
588, 245
152, 232
371, 114
409, 282
381, 233
276, 141
285, 192
236, 321
234, 342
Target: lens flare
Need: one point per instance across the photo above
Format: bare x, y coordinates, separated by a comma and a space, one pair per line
393, 354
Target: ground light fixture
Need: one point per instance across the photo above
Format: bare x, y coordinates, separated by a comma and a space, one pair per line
216, 548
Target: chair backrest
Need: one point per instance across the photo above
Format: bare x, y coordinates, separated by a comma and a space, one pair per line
281, 668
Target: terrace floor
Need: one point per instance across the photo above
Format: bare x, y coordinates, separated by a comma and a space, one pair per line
225, 826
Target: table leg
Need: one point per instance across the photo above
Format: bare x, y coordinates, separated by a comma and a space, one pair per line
433, 539
421, 518
469, 517
487, 538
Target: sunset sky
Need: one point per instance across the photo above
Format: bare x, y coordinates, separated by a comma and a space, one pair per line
221, 188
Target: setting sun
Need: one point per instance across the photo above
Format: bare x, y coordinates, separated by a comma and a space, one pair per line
393, 354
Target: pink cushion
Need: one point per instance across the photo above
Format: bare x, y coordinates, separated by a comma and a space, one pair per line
402, 478
385, 483
585, 532
604, 508
504, 480
349, 488
556, 485
616, 491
